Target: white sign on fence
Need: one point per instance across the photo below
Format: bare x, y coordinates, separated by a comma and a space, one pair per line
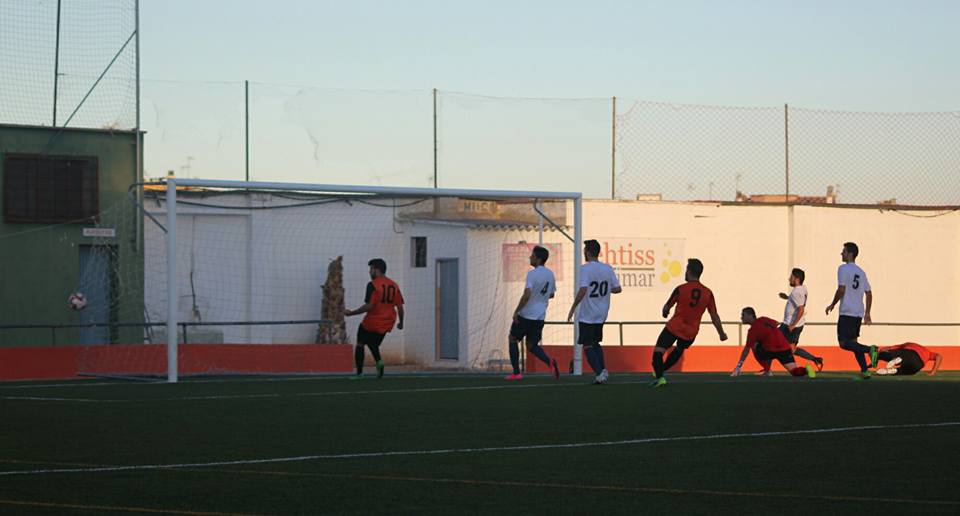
100, 232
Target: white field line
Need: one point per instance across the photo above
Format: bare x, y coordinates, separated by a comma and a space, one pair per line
254, 378
448, 451
303, 394
587, 487
396, 376
378, 391
43, 398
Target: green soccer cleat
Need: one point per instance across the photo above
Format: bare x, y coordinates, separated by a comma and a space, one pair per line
659, 382
811, 372
357, 377
379, 369
874, 351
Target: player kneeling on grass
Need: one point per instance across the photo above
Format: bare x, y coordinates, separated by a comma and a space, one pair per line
597, 282
907, 359
768, 344
530, 313
383, 304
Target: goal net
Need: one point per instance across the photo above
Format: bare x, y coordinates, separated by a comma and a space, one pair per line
261, 274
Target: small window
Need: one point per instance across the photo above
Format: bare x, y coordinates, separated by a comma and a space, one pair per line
418, 247
50, 189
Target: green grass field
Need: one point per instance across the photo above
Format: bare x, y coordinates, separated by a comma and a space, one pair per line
705, 444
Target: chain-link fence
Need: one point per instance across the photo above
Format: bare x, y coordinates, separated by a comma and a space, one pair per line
786, 154
68, 63
686, 152
870, 158
73, 63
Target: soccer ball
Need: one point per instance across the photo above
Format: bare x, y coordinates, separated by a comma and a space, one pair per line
77, 301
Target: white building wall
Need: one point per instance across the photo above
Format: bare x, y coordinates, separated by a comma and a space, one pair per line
910, 258
419, 335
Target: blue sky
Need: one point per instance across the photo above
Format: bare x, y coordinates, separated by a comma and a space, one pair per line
852, 54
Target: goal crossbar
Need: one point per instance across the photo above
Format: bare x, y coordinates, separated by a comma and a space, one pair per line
376, 190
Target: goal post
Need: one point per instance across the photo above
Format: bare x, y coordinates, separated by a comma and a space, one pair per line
172, 282
512, 214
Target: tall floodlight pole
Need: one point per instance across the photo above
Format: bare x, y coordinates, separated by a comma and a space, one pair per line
539, 222
246, 129
435, 138
613, 150
139, 145
56, 66
786, 151
138, 135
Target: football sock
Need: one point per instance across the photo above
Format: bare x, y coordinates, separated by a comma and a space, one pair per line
861, 361
603, 362
358, 356
540, 353
593, 358
515, 356
375, 351
802, 353
854, 346
658, 363
859, 352
886, 356
672, 360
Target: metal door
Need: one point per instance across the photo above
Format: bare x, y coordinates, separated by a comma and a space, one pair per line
97, 285
448, 309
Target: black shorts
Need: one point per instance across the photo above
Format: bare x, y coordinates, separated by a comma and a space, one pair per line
793, 337
666, 339
910, 361
784, 357
848, 328
527, 329
368, 337
590, 333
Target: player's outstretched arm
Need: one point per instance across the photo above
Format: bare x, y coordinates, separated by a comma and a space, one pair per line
866, 314
582, 293
715, 319
672, 300
362, 310
937, 358
743, 356
797, 316
837, 296
523, 302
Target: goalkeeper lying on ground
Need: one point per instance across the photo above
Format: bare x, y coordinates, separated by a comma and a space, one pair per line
907, 359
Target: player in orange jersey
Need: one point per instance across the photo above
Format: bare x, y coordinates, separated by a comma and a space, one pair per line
692, 299
383, 305
907, 359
